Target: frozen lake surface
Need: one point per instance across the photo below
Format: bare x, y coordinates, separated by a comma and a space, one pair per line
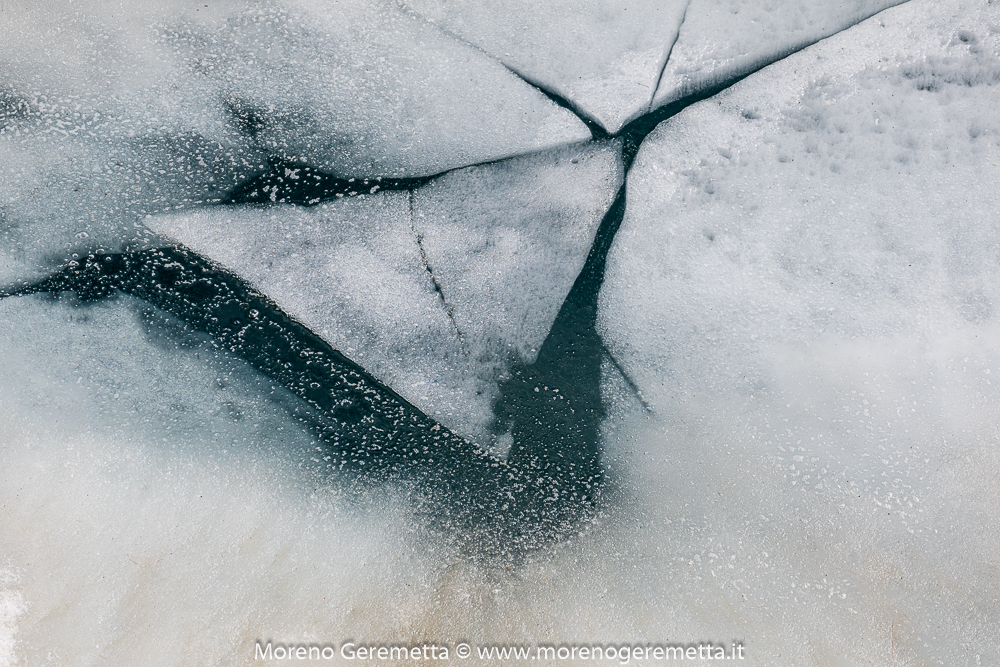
575, 324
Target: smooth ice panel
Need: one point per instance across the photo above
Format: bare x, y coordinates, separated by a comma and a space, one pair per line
433, 292
723, 40
804, 290
604, 58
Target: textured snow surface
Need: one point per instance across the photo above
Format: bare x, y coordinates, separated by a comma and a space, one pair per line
433, 292
804, 289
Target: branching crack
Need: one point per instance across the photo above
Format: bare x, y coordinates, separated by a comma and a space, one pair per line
597, 131
287, 182
571, 355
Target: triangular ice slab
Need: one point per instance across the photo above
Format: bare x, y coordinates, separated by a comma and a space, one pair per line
434, 291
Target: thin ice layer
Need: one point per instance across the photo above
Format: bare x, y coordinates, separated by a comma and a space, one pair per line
846, 190
88, 186
804, 289
604, 58
433, 292
722, 40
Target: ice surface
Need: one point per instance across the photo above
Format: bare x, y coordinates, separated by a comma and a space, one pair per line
72, 195
845, 191
506, 241
12, 608
804, 289
604, 58
722, 40
433, 292
609, 60
109, 112
818, 483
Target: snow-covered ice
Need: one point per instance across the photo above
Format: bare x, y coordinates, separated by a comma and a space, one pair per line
161, 503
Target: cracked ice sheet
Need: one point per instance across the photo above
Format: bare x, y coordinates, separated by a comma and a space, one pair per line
160, 505
722, 40
360, 90
109, 112
805, 289
503, 242
67, 196
603, 57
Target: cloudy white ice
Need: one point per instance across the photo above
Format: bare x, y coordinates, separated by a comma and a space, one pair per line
798, 313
